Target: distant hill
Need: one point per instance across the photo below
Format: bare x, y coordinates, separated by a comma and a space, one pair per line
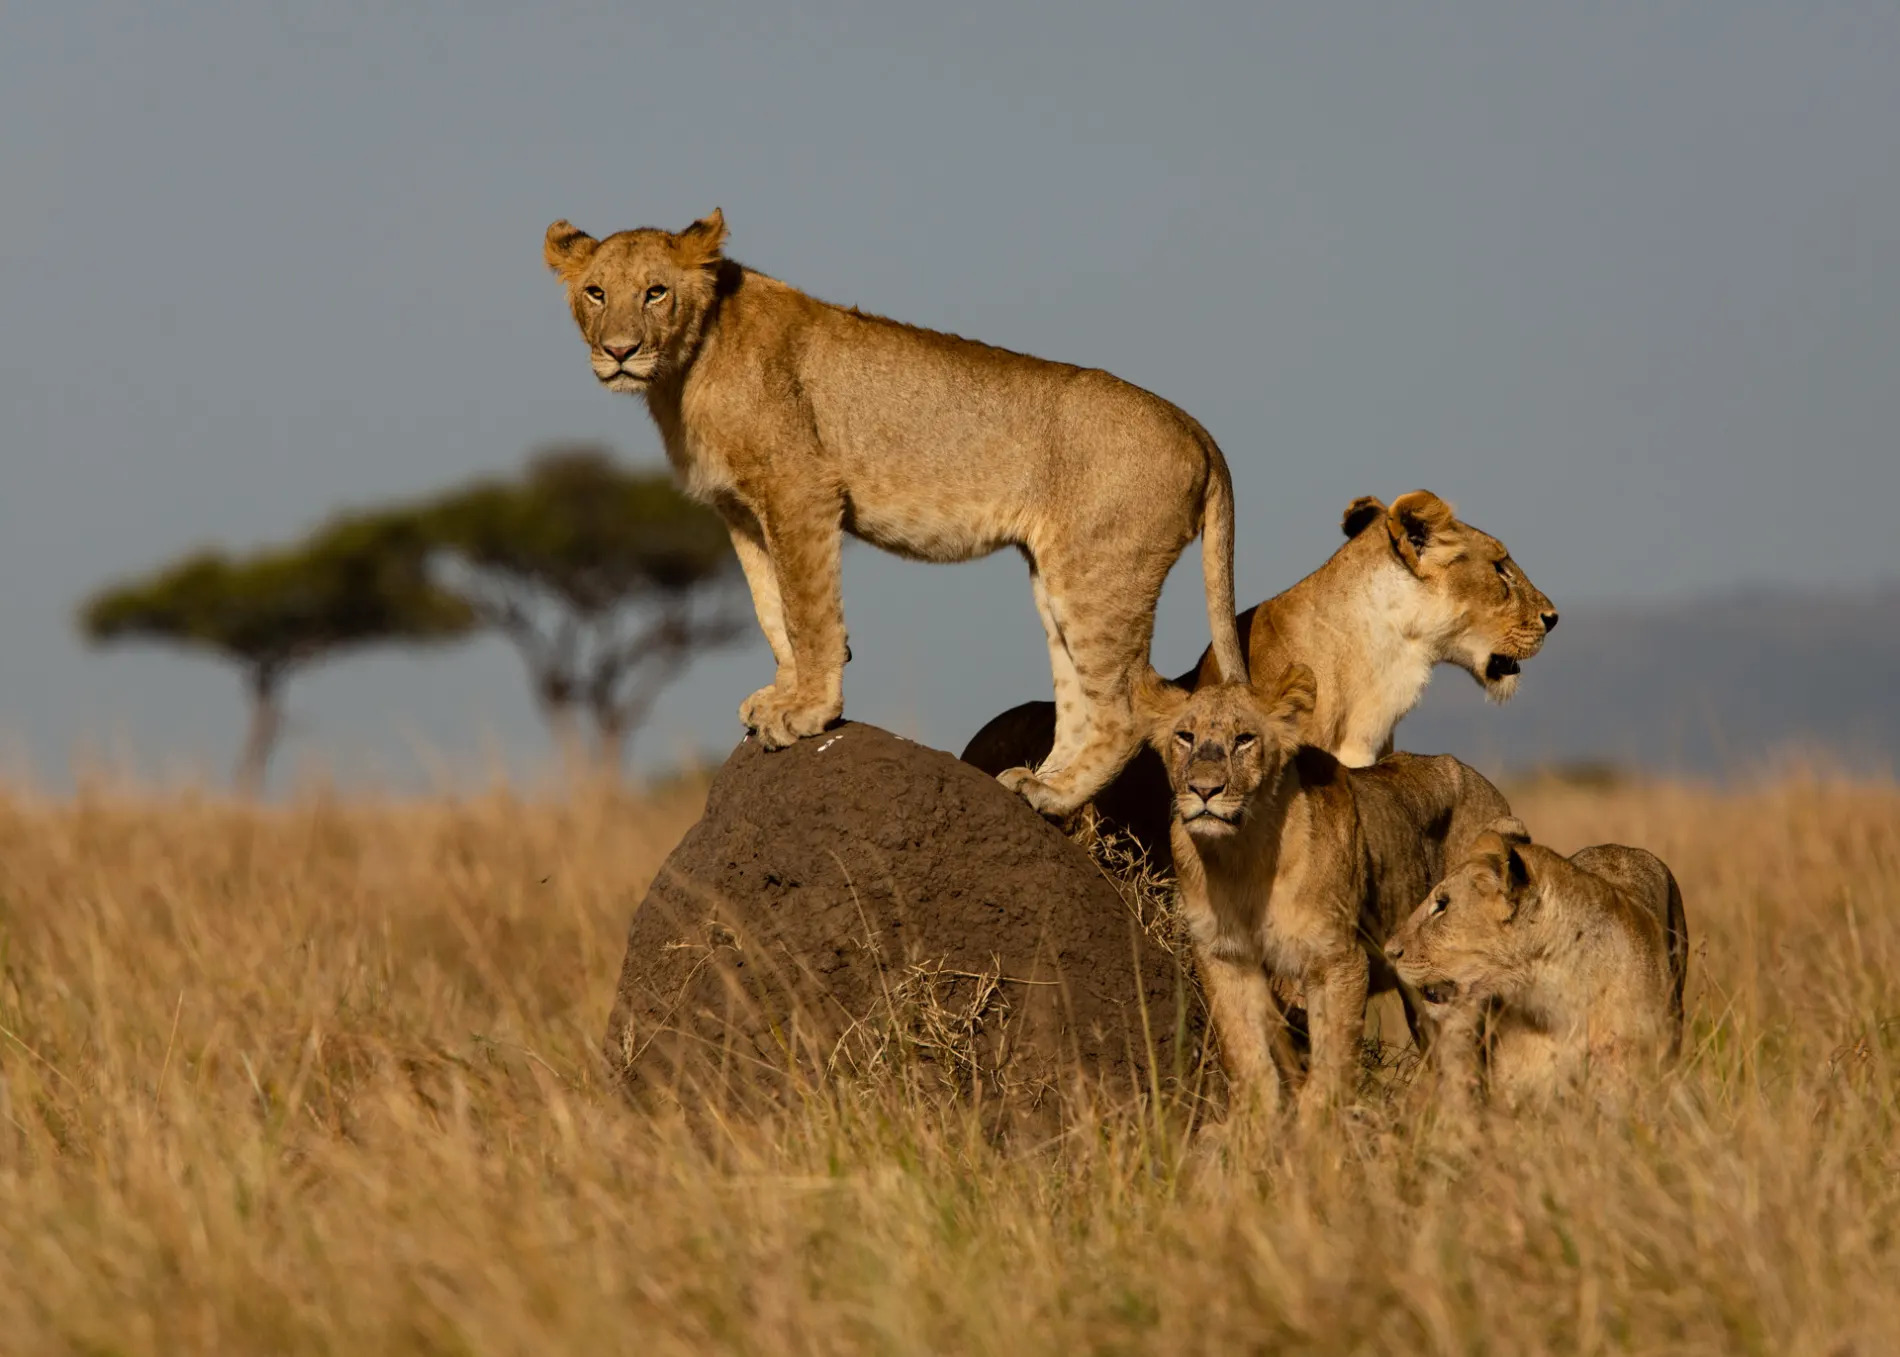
1706, 686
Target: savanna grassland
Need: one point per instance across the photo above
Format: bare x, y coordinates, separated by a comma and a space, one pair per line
323, 1078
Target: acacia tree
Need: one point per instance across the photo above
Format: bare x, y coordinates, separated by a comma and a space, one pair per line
362, 580
607, 582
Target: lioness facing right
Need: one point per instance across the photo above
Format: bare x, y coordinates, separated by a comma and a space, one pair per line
1293, 868
1555, 966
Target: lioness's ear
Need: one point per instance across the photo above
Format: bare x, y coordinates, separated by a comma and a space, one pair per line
567, 248
699, 243
1293, 696
1361, 514
1414, 522
1510, 829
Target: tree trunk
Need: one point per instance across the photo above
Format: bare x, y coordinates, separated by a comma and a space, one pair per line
266, 724
618, 718
610, 747
570, 742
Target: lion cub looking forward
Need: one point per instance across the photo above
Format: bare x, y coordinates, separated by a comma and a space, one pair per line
1559, 966
1294, 868
800, 421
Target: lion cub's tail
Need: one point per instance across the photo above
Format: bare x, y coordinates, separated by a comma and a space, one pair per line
1217, 566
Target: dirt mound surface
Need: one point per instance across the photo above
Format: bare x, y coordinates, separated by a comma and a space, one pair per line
859, 905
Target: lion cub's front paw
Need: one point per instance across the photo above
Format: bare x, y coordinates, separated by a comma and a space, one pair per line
753, 708
1047, 800
782, 719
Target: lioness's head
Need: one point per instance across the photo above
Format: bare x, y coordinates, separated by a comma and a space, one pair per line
1466, 935
1223, 743
1474, 600
640, 297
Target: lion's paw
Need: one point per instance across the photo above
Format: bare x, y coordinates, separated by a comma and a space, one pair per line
1046, 799
781, 720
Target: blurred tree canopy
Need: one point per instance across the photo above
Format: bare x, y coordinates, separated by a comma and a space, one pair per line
360, 580
608, 583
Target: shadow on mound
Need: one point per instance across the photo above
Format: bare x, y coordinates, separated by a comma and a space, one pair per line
859, 906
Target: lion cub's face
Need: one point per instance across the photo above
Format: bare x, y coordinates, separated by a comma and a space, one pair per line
1222, 744
1488, 614
1464, 937
639, 297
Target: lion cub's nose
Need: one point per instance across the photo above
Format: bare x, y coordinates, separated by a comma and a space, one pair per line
1394, 948
1550, 621
1207, 785
620, 355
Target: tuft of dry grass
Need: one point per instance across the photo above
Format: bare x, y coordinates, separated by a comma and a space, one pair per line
324, 1079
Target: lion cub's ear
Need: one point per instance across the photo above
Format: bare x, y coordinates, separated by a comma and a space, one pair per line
1293, 697
1361, 514
699, 244
567, 248
1517, 878
1414, 522
1158, 705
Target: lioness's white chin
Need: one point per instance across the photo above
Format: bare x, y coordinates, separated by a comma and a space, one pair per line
1500, 691
1497, 674
624, 381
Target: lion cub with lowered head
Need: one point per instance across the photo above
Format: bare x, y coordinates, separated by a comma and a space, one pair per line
800, 421
1293, 868
1556, 967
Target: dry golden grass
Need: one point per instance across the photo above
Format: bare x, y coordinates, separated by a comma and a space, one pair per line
323, 1079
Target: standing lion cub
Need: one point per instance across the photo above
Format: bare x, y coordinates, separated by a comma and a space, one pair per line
799, 421
1552, 967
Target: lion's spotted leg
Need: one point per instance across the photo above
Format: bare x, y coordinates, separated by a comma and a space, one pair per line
1107, 631
1071, 705
804, 541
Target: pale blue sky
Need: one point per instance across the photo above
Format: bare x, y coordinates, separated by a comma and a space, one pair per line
1622, 281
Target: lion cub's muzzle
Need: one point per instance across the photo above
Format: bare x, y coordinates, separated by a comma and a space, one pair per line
1205, 805
623, 367
1199, 814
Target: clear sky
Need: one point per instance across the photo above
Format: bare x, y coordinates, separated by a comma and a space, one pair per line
1620, 280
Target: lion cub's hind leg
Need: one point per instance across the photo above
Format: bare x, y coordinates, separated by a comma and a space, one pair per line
1071, 705
1106, 611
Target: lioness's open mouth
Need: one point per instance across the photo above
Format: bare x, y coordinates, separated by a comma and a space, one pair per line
1440, 991
1501, 666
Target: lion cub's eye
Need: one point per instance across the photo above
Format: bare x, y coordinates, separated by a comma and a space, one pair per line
1504, 571
655, 292
1186, 737
1243, 739
1439, 902
594, 294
